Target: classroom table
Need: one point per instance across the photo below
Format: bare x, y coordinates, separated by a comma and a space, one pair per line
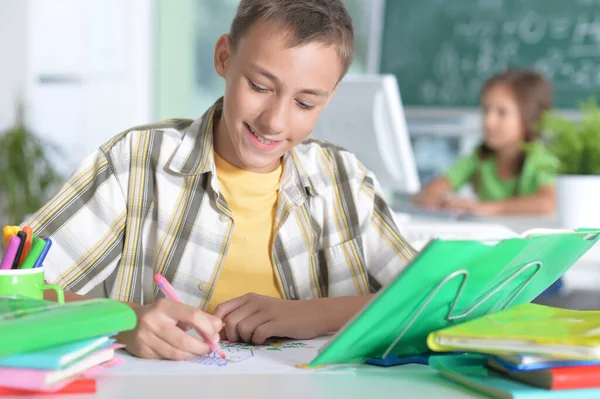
409, 381
516, 223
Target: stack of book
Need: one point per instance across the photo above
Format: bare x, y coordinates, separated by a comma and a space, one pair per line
526, 351
50, 347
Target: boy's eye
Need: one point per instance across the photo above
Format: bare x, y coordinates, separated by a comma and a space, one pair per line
257, 88
304, 106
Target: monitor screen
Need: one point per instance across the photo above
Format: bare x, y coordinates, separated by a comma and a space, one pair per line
365, 116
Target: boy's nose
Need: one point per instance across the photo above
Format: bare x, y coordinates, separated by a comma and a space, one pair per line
274, 117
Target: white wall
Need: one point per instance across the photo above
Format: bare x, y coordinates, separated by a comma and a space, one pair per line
13, 57
90, 71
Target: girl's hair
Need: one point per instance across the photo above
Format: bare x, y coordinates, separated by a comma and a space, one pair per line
532, 93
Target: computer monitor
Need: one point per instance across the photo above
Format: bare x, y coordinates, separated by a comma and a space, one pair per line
365, 116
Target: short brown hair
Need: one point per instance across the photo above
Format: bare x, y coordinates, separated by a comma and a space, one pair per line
325, 21
533, 95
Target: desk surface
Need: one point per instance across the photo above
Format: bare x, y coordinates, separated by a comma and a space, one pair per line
410, 381
518, 224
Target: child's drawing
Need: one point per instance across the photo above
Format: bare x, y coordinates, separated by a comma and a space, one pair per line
270, 346
233, 355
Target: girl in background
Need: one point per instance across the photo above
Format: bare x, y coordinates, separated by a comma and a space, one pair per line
511, 171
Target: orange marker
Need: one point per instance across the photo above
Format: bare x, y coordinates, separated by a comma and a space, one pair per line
27, 247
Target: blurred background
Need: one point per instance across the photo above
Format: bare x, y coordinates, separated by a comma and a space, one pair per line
84, 70
74, 73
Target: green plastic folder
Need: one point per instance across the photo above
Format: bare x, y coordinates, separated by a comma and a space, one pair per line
28, 325
450, 282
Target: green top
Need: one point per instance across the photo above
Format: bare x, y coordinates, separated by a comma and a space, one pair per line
539, 170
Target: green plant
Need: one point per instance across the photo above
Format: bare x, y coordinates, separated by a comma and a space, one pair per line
575, 144
27, 175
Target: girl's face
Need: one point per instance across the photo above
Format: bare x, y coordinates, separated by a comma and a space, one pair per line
502, 122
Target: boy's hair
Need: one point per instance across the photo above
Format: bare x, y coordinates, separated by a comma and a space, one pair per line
533, 95
324, 21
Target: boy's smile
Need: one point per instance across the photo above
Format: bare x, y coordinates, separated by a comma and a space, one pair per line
274, 94
261, 142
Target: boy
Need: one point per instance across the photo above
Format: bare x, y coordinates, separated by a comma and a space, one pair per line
261, 229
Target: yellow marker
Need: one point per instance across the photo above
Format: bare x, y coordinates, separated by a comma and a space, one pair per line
306, 366
9, 231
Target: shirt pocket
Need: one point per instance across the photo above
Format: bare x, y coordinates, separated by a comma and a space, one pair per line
343, 268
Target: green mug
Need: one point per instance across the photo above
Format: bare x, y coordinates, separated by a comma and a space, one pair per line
27, 283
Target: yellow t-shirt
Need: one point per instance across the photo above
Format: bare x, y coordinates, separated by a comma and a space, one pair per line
252, 198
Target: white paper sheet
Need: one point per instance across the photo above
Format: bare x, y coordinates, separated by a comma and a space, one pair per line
283, 356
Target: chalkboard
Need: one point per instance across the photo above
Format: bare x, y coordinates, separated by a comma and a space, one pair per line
441, 51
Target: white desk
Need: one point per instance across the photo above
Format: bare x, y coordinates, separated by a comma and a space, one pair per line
584, 275
518, 224
410, 381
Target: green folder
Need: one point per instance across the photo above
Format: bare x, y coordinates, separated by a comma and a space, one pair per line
28, 325
450, 282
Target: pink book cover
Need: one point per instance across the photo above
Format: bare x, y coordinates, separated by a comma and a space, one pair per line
52, 380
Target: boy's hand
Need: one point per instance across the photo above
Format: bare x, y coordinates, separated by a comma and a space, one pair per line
158, 335
255, 318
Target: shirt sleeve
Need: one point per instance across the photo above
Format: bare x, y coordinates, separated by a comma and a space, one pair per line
462, 171
86, 222
386, 251
546, 167
545, 178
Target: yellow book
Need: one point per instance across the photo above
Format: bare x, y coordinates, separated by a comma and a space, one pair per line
527, 328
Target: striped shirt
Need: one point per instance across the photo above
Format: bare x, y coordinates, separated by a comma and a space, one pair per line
148, 202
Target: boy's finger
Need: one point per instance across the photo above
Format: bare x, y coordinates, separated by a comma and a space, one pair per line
264, 332
246, 327
224, 309
223, 335
235, 318
186, 315
181, 341
166, 350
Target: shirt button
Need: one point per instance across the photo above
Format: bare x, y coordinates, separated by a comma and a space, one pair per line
223, 218
204, 286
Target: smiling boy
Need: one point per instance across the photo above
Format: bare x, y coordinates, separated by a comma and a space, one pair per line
254, 225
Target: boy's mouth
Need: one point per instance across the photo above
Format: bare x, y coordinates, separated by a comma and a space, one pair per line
261, 140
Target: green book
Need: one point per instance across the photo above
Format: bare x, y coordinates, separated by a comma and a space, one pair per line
28, 325
451, 282
528, 328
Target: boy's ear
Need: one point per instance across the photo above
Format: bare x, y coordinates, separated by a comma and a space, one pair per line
223, 52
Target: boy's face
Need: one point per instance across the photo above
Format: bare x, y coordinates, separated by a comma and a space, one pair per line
273, 95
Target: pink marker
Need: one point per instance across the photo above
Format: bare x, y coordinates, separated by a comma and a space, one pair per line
169, 292
11, 252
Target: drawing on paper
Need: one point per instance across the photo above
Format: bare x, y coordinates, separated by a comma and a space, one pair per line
237, 352
270, 346
233, 355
